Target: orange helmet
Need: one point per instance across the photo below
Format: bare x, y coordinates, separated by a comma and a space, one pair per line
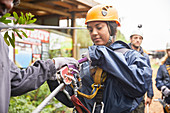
102, 13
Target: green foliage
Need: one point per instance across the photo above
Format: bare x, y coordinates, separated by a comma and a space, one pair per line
59, 53
120, 36
83, 37
29, 101
21, 20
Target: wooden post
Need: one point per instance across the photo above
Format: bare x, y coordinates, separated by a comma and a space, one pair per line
73, 33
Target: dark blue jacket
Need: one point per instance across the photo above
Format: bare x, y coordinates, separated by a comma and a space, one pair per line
163, 79
150, 90
128, 78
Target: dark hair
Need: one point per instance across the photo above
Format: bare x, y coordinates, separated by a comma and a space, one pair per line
16, 2
112, 27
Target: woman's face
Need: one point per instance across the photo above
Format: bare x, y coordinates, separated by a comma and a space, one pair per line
99, 32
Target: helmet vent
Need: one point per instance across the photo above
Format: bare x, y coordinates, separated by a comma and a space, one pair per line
104, 11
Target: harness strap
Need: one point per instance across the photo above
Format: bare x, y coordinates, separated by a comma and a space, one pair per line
97, 77
78, 105
94, 92
168, 69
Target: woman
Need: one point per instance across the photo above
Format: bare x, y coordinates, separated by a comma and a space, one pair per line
126, 73
163, 77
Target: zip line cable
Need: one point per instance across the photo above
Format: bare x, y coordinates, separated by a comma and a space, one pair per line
37, 27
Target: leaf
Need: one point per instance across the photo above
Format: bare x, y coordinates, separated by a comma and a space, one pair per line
15, 30
30, 15
7, 15
6, 38
20, 20
22, 15
2, 19
29, 29
11, 41
24, 34
6, 21
31, 21
19, 35
27, 16
13, 36
24, 20
15, 15
34, 20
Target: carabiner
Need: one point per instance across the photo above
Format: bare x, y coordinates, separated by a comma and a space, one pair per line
102, 107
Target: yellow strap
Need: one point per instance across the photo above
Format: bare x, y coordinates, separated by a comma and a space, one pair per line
97, 77
168, 69
92, 95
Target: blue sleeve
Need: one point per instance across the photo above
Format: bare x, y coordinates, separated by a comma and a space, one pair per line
130, 69
150, 93
150, 89
159, 78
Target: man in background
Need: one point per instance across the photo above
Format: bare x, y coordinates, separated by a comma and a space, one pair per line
136, 39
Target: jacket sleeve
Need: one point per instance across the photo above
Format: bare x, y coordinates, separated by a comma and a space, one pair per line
130, 69
150, 93
61, 96
30, 78
160, 77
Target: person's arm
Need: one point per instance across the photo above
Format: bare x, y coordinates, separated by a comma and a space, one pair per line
159, 78
130, 69
150, 95
61, 96
30, 78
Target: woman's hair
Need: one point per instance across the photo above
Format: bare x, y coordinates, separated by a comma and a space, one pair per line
112, 26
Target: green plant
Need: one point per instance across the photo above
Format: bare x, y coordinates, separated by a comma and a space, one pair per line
29, 101
21, 20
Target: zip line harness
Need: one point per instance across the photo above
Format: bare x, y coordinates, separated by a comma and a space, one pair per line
97, 88
99, 77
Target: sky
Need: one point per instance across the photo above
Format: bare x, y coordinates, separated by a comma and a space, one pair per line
154, 15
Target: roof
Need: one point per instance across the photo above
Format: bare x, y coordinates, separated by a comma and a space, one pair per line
62, 8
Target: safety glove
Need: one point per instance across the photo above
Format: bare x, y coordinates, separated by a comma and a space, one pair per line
165, 90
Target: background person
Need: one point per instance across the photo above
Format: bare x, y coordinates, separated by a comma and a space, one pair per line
14, 81
136, 39
124, 70
163, 77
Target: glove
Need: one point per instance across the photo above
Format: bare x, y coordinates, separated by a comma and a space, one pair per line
61, 61
86, 55
165, 91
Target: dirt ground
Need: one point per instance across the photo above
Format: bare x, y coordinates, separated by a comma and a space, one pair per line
155, 107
